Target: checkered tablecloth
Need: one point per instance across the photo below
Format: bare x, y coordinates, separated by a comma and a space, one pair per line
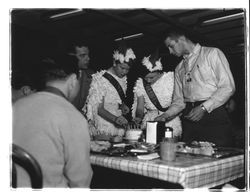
189, 171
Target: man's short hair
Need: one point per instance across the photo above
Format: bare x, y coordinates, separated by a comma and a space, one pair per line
175, 33
71, 47
59, 68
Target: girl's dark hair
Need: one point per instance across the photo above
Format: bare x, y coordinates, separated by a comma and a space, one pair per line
144, 71
122, 48
130, 62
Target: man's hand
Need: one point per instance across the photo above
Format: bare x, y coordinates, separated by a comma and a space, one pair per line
121, 121
196, 114
164, 117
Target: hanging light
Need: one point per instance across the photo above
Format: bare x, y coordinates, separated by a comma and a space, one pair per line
66, 13
223, 18
129, 37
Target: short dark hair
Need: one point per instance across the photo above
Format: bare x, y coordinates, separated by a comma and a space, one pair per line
175, 33
71, 47
60, 67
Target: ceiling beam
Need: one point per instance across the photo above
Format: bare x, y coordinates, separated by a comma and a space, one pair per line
240, 26
225, 38
120, 19
175, 23
171, 21
189, 13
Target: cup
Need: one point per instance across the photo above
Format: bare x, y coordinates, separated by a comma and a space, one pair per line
168, 149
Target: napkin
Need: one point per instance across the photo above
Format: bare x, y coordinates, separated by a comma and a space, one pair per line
148, 156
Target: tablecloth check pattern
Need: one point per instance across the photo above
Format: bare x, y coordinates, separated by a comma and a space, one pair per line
189, 171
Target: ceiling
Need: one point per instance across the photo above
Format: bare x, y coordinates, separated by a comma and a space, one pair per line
227, 34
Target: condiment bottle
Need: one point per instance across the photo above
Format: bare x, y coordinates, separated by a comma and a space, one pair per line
168, 132
168, 146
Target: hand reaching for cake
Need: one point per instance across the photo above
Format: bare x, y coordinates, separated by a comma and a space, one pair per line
121, 120
137, 120
124, 108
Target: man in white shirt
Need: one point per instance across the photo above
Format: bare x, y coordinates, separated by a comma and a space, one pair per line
203, 84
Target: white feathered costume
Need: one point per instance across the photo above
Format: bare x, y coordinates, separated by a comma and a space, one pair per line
101, 88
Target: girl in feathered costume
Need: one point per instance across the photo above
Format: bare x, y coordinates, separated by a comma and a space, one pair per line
161, 85
105, 108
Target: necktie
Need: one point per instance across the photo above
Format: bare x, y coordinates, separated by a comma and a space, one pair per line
187, 73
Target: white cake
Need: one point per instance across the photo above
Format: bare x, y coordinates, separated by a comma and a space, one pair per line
133, 134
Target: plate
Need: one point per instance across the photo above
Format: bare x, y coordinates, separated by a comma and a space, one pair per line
220, 152
223, 152
126, 150
139, 151
131, 140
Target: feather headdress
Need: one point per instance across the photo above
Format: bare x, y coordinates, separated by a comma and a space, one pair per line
124, 54
152, 62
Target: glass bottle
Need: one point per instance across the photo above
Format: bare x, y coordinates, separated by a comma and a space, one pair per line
168, 132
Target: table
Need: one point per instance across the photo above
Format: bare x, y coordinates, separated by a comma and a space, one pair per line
188, 171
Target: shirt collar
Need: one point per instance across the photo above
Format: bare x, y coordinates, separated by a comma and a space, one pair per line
55, 90
195, 51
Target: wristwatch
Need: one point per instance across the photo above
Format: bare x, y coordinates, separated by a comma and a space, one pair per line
203, 108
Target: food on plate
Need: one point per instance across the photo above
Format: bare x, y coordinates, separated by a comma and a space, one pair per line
203, 148
203, 144
117, 151
98, 146
103, 137
116, 139
147, 146
133, 134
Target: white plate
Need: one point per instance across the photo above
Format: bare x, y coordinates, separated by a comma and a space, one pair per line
138, 151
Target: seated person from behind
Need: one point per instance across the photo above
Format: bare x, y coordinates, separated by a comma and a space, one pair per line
51, 129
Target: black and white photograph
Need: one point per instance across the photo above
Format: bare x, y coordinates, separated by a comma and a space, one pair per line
129, 98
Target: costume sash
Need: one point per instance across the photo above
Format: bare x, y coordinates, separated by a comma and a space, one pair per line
117, 86
153, 97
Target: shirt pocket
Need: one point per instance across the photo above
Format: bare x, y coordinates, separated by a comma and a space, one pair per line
204, 73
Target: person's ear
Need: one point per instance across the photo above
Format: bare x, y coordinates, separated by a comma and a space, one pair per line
26, 90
